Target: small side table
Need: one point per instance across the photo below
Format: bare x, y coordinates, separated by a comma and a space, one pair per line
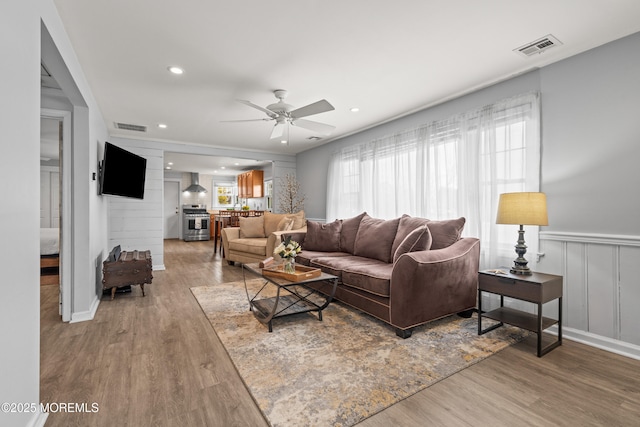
538, 288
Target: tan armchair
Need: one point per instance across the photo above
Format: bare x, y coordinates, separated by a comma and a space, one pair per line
250, 243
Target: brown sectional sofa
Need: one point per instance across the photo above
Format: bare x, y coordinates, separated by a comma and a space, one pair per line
406, 271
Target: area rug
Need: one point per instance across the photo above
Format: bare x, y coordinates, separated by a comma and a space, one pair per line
345, 368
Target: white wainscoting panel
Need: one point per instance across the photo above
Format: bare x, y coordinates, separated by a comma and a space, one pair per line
601, 297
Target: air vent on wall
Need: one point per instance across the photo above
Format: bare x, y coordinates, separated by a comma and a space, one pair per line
126, 126
538, 46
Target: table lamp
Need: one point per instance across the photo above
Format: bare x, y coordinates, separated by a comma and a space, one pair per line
522, 209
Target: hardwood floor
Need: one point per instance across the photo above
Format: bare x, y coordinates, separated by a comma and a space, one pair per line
156, 361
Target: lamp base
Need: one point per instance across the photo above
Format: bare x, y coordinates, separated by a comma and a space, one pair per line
520, 263
522, 270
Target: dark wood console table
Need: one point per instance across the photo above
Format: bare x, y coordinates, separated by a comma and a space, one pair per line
129, 268
537, 288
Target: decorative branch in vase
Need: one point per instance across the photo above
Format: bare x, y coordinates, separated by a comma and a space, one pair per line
290, 198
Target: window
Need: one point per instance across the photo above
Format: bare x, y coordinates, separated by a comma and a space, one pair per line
446, 169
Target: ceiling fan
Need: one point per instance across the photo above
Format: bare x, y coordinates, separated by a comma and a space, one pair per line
285, 114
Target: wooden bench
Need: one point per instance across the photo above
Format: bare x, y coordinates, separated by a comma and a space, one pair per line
126, 268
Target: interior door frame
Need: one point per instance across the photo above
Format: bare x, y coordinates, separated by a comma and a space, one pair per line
177, 181
66, 222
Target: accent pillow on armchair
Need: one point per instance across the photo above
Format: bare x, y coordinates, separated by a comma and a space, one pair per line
251, 226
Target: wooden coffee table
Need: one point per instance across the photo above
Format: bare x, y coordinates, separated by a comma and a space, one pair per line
292, 296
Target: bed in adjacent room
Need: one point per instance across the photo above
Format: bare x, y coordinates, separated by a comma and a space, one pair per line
49, 256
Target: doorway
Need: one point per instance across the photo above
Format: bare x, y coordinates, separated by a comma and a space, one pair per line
55, 200
171, 210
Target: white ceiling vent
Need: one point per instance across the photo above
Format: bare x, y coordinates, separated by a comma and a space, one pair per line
538, 46
126, 126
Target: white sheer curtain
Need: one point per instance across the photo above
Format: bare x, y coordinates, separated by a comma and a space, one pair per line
447, 169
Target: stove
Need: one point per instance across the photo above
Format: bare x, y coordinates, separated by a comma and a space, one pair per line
195, 223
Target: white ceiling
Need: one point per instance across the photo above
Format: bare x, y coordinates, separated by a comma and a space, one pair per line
387, 58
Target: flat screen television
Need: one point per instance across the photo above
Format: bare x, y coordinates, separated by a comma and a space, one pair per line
122, 173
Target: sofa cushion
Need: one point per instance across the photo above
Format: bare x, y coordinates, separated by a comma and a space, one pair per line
349, 232
256, 246
418, 240
372, 276
323, 237
252, 226
375, 238
405, 227
445, 233
305, 257
337, 264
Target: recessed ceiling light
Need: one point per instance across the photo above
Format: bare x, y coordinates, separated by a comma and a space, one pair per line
354, 109
284, 141
176, 70
223, 167
236, 164
168, 167
162, 126
170, 163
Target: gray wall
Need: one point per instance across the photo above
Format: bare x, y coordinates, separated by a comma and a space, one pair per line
590, 139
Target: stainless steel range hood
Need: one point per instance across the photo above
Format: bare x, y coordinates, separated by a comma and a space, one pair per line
195, 187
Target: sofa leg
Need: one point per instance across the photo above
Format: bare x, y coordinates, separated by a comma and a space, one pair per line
404, 333
467, 313
231, 262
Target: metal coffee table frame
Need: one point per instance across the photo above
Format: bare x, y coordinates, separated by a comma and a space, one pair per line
291, 297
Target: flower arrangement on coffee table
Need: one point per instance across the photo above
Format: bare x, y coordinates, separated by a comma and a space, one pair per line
287, 250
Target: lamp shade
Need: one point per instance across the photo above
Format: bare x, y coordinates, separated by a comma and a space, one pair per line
523, 209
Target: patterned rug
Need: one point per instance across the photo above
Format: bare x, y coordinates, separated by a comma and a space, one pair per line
344, 369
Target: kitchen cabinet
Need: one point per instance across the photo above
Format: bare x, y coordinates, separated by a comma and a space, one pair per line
251, 184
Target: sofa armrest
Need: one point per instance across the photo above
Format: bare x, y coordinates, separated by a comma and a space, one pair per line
229, 233
276, 237
427, 285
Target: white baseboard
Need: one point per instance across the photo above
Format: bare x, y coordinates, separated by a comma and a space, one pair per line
614, 346
158, 267
83, 316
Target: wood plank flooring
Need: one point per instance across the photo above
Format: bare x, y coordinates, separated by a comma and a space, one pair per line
156, 361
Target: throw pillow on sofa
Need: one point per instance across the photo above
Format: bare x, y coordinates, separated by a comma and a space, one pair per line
349, 231
375, 238
251, 226
323, 237
418, 240
405, 227
446, 232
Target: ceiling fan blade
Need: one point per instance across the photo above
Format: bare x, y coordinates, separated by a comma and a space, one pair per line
257, 107
248, 120
311, 109
278, 130
321, 128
